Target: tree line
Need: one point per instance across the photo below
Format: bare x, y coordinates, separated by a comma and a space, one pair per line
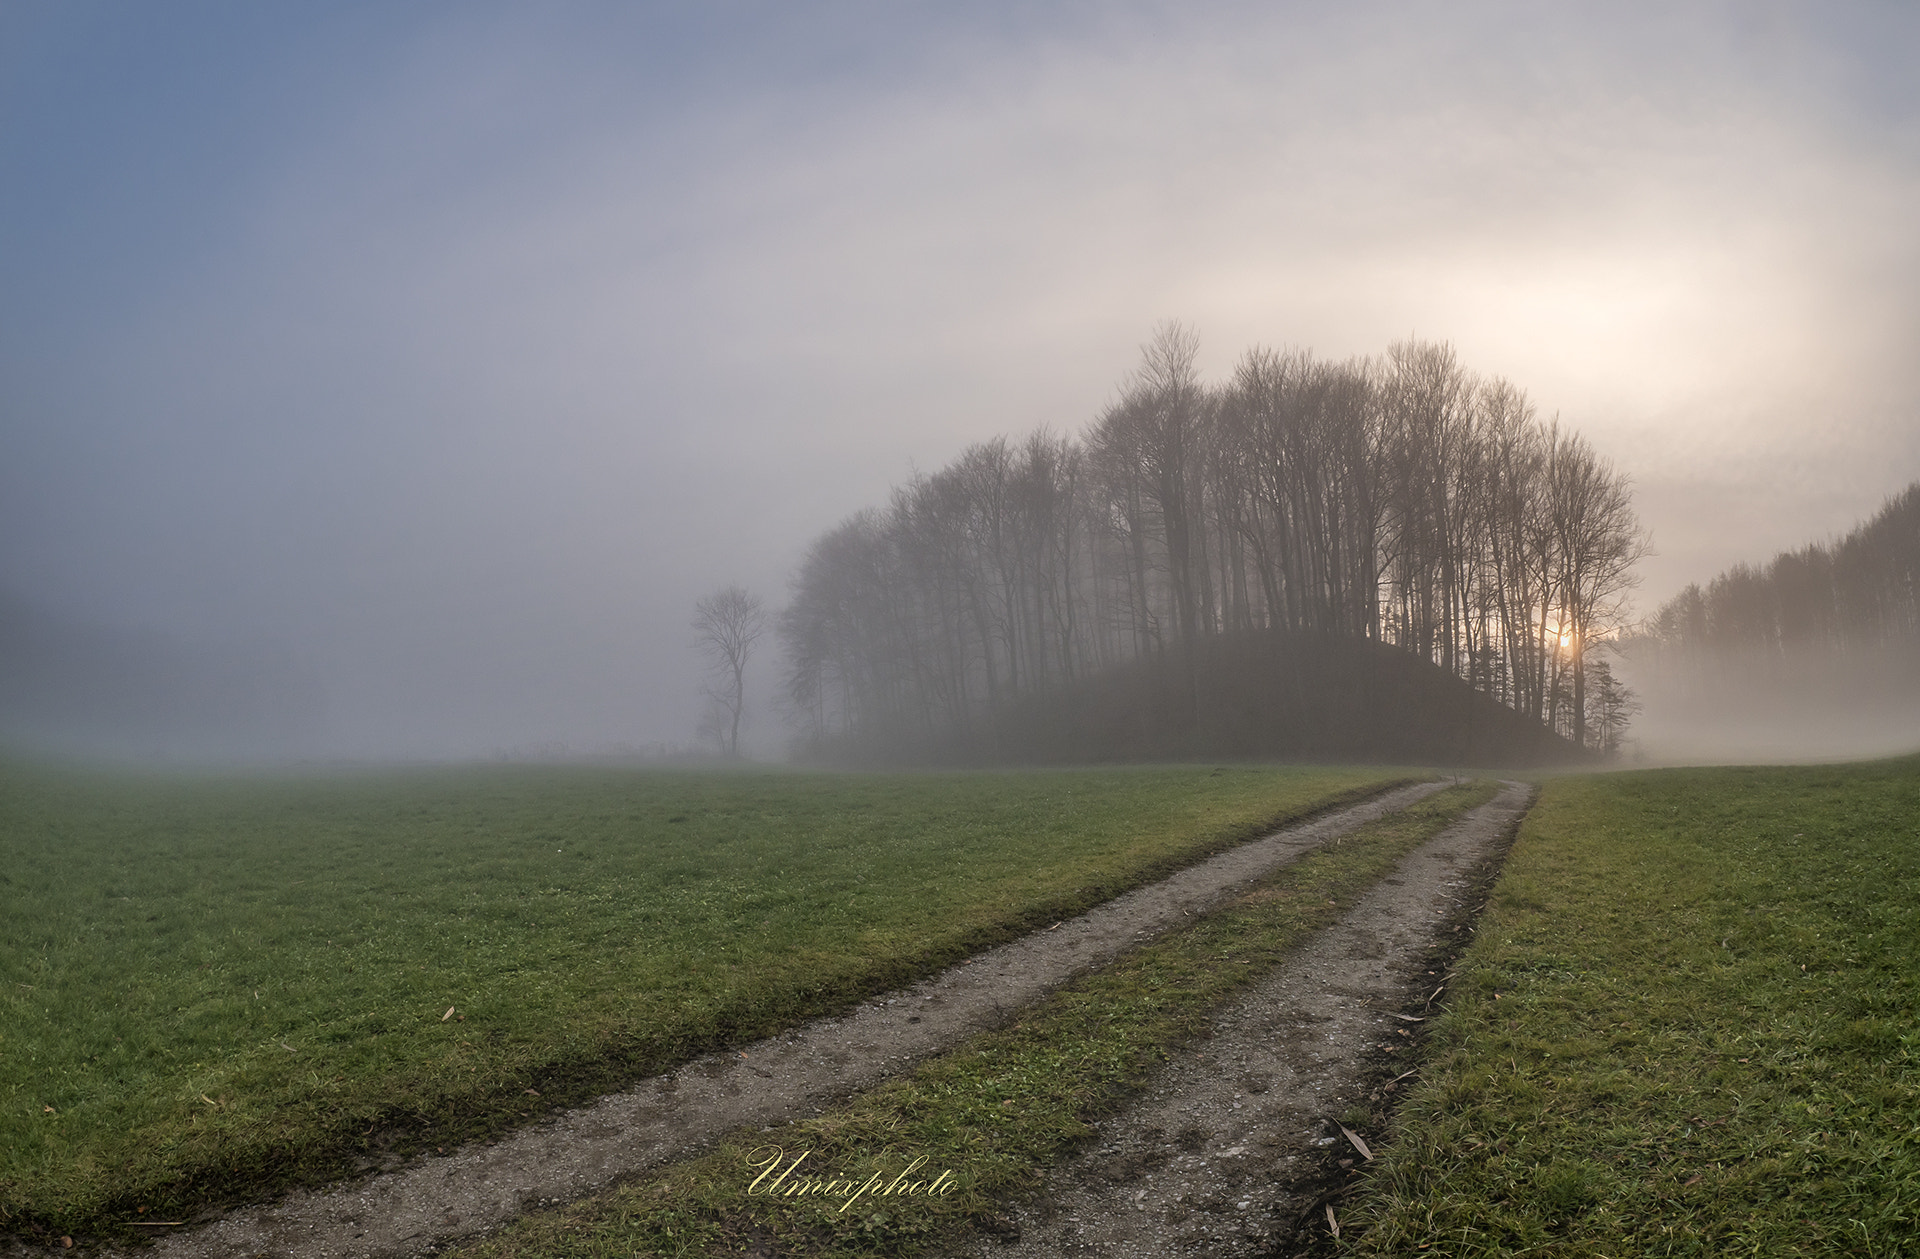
1857, 597
1400, 500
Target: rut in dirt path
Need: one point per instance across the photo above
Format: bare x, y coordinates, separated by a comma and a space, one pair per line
1224, 1154
445, 1198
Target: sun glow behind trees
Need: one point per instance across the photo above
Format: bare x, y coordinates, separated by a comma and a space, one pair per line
1399, 500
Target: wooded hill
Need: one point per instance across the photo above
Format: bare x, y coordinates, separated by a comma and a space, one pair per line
1344, 544
1309, 698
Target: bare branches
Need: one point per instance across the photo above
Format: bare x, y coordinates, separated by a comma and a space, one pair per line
1403, 500
1854, 599
726, 625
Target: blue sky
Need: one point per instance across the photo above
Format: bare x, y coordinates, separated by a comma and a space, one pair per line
451, 351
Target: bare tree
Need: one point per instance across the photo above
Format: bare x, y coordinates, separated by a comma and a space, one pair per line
1598, 542
1613, 703
726, 624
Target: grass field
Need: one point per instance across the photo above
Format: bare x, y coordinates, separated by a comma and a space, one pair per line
1689, 1025
213, 988
997, 1110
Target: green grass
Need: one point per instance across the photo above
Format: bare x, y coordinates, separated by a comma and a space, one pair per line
214, 988
996, 1111
1689, 1025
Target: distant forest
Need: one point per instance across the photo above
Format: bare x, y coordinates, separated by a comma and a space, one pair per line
1853, 605
1316, 509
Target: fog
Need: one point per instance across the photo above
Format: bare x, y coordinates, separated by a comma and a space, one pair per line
389, 382
1825, 710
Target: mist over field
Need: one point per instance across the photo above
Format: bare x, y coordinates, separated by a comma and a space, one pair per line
1811, 655
387, 383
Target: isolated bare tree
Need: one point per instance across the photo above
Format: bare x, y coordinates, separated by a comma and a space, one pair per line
726, 625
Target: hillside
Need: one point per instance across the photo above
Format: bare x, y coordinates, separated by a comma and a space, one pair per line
1252, 695
1403, 501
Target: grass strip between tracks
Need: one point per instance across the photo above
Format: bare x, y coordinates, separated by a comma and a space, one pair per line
994, 1113
1689, 1024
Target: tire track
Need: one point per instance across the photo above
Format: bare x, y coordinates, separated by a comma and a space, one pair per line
1226, 1152
445, 1198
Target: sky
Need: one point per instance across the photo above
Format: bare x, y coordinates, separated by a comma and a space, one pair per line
416, 367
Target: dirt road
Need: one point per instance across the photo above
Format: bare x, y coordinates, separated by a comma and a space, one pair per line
469, 1191
1226, 1154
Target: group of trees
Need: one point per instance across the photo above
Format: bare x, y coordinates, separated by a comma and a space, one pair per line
1401, 500
1856, 599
